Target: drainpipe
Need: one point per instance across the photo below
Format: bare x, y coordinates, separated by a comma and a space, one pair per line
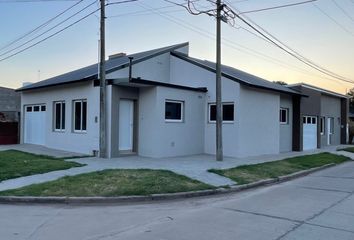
130, 68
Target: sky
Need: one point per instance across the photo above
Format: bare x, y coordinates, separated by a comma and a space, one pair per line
322, 31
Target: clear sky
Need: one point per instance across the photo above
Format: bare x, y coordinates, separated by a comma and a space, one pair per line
324, 34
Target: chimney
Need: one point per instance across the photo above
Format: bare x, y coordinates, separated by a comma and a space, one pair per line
117, 55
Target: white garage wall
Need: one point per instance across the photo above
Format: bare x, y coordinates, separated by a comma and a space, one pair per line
67, 140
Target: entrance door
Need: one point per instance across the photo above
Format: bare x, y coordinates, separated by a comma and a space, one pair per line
309, 132
126, 122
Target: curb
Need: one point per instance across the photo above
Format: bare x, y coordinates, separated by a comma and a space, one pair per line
160, 197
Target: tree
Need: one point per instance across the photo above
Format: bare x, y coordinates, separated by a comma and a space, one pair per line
351, 100
280, 82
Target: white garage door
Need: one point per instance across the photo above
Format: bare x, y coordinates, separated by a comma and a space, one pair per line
34, 132
309, 133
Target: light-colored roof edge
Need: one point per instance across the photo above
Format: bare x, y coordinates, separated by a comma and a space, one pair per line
325, 91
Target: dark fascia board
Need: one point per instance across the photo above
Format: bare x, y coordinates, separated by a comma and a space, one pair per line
57, 84
94, 77
232, 77
161, 84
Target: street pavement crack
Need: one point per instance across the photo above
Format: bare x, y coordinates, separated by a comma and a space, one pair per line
262, 214
323, 189
314, 216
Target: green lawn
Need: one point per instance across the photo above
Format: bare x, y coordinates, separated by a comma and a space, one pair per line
111, 183
252, 173
348, 149
14, 164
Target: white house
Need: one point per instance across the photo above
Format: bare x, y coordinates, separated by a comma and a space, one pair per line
167, 108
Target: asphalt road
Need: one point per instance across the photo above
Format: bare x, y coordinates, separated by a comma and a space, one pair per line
319, 206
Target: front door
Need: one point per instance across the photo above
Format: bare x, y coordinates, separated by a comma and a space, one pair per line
126, 122
309, 133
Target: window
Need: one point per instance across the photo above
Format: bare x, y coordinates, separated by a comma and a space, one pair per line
322, 125
80, 115
227, 112
283, 115
36, 109
173, 111
59, 116
29, 109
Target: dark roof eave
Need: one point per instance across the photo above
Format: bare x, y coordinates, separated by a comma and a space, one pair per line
24, 89
234, 78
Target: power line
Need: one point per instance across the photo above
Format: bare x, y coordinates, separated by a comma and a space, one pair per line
59, 31
40, 26
48, 30
231, 44
277, 7
31, 1
52, 35
333, 20
275, 41
343, 11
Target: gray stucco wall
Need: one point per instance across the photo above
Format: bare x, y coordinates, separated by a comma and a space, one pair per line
259, 122
331, 107
286, 129
158, 138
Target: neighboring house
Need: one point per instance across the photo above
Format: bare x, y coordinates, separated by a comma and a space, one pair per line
166, 108
324, 117
9, 115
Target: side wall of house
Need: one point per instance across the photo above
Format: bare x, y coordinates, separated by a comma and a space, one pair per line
331, 107
67, 140
259, 122
160, 138
184, 73
286, 130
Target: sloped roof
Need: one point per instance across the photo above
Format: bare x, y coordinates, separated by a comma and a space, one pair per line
91, 72
237, 75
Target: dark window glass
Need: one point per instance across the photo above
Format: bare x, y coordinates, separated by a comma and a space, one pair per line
28, 109
36, 108
173, 111
57, 116
283, 116
212, 110
309, 120
228, 112
84, 115
313, 120
63, 115
77, 120
304, 120
43, 108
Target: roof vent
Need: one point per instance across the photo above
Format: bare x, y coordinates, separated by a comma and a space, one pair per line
117, 55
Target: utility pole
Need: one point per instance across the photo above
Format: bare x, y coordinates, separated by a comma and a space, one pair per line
219, 148
103, 131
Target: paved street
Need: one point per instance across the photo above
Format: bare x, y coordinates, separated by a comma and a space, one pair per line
319, 206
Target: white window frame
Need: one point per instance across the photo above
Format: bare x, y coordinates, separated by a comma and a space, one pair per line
73, 115
182, 111
222, 105
322, 126
286, 116
60, 103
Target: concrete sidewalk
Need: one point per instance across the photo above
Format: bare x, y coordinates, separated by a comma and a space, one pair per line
195, 167
40, 150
